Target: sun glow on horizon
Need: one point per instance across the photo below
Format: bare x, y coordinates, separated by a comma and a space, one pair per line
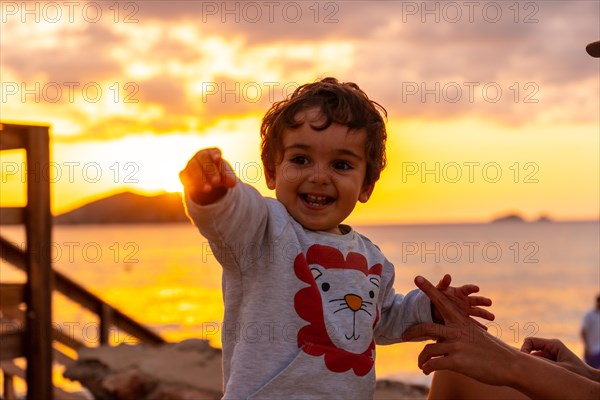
149, 164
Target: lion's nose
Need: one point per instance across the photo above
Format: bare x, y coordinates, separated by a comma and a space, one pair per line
353, 301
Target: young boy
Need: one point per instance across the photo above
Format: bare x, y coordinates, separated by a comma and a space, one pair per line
306, 297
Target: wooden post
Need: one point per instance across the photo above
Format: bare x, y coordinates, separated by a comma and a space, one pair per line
105, 323
38, 343
9, 387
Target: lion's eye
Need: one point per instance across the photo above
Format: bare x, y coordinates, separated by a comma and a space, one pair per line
371, 294
325, 286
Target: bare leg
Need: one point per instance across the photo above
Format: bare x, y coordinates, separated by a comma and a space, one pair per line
451, 385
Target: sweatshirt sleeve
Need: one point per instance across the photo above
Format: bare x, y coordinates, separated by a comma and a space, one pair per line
399, 312
233, 224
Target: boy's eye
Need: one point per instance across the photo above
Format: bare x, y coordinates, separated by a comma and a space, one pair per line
342, 165
300, 160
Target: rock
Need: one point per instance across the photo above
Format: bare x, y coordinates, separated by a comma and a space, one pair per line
178, 393
189, 370
386, 390
129, 384
91, 374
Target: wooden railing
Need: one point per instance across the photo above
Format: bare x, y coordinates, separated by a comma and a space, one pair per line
108, 315
32, 333
36, 340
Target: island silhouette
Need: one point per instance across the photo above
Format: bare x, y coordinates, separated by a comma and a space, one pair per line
127, 208
134, 208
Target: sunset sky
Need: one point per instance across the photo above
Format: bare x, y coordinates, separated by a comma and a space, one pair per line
493, 106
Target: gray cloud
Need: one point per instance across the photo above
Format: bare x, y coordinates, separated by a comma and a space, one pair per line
89, 61
393, 51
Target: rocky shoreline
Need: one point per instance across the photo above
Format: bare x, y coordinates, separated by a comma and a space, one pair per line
188, 370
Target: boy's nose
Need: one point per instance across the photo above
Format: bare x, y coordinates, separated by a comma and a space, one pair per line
319, 174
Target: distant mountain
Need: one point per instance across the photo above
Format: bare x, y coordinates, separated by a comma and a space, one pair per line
514, 217
127, 208
509, 218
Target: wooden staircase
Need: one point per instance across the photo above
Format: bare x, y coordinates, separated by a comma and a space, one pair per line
26, 328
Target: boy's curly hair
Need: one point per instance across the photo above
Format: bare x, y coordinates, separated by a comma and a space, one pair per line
341, 103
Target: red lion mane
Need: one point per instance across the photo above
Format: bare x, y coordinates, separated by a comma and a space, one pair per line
313, 338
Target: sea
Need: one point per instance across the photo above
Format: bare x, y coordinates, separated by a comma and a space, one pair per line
541, 276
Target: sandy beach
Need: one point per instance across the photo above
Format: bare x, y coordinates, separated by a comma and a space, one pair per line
187, 370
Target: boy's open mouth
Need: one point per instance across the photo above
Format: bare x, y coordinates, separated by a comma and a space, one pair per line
316, 200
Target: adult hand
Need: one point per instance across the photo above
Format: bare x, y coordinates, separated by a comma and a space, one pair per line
556, 351
463, 344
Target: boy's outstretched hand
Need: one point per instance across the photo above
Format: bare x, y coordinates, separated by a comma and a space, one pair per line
462, 302
207, 177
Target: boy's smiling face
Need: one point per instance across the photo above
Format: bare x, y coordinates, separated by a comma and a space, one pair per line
322, 173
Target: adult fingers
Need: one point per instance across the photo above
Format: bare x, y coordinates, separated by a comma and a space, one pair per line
469, 289
479, 324
481, 313
444, 283
437, 364
480, 301
443, 305
433, 350
424, 331
533, 343
546, 348
431, 291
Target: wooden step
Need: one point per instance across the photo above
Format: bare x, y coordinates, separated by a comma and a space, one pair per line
8, 367
12, 344
12, 295
12, 215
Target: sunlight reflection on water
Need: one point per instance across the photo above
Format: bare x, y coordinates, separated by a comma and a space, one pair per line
542, 277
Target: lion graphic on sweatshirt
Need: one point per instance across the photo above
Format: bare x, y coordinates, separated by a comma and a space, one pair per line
340, 306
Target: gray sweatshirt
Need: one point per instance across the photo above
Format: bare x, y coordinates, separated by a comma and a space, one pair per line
303, 309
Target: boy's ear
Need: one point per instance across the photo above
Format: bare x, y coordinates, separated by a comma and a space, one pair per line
270, 178
366, 192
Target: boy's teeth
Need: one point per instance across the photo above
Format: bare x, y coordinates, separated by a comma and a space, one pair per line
316, 200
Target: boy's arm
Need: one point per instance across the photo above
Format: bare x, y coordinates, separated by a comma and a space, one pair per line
229, 213
398, 311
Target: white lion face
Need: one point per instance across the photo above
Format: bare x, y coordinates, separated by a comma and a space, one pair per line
349, 299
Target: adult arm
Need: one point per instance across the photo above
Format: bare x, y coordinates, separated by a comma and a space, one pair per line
556, 351
469, 350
